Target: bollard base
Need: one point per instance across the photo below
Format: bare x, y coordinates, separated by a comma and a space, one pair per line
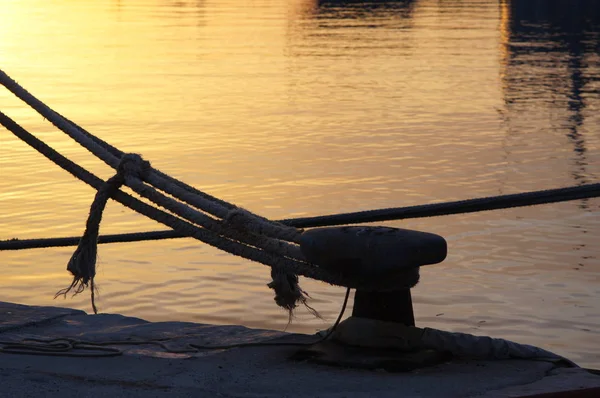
333, 353
364, 343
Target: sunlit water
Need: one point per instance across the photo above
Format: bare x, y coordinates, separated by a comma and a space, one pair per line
302, 107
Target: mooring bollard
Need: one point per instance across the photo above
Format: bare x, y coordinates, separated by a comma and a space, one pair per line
394, 306
382, 264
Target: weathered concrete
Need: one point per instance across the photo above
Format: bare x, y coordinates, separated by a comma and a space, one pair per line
150, 371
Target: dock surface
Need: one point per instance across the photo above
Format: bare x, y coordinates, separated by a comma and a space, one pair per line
152, 370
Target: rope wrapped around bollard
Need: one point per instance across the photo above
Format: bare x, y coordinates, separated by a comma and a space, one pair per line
370, 259
193, 213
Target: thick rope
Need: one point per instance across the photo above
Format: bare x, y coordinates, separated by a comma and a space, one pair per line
143, 208
108, 154
255, 231
455, 207
378, 335
116, 152
484, 347
23, 244
397, 213
181, 226
226, 227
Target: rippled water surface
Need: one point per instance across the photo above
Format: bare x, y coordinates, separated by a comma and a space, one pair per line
302, 107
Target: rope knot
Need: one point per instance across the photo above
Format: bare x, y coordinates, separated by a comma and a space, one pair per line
134, 165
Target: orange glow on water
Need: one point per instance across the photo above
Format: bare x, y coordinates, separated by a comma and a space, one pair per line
294, 108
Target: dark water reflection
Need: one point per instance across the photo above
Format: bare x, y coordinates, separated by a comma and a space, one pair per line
553, 48
304, 107
362, 9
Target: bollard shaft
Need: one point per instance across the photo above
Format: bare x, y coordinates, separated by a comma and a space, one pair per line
394, 306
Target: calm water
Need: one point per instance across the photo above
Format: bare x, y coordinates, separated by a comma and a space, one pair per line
304, 107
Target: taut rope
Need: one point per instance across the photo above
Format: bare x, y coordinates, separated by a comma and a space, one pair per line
193, 213
395, 213
197, 214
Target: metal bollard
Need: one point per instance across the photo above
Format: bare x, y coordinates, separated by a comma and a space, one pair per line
394, 306
382, 264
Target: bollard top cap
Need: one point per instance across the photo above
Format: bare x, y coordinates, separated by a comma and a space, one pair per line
371, 252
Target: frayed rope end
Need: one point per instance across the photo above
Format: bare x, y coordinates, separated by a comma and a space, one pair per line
288, 293
82, 266
78, 286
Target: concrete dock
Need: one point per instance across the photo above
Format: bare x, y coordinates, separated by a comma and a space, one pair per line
156, 359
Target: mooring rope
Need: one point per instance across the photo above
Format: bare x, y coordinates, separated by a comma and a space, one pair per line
291, 266
499, 202
193, 213
238, 232
215, 222
112, 157
23, 244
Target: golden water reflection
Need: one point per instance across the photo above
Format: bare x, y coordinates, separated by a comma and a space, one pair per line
293, 108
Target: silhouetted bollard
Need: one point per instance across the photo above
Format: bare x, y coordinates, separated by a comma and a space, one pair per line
394, 306
382, 263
